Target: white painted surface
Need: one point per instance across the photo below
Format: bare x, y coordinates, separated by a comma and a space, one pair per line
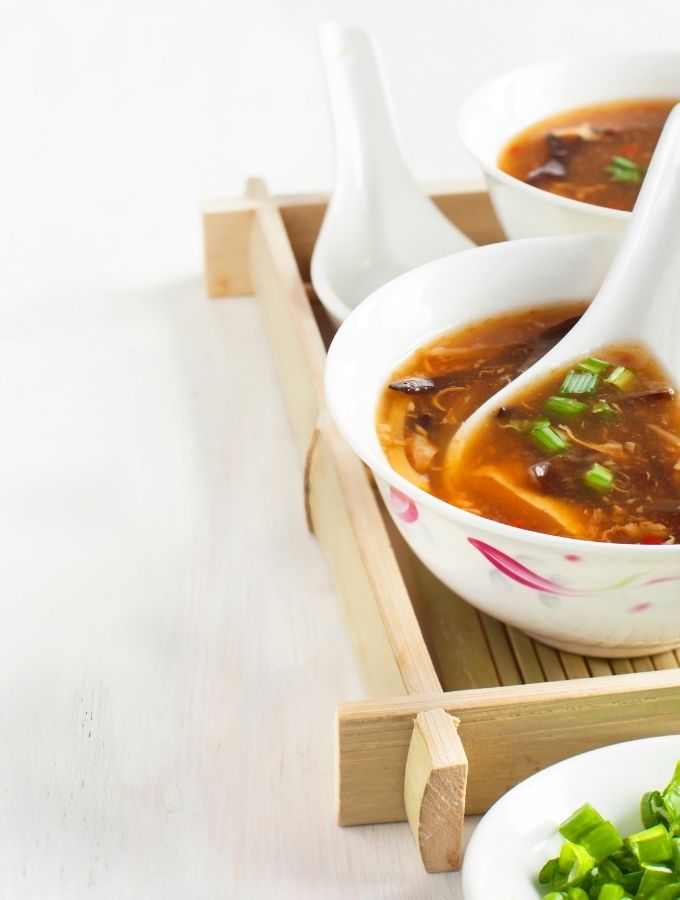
171, 651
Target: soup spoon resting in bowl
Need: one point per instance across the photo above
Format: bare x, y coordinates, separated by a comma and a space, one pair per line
637, 306
379, 223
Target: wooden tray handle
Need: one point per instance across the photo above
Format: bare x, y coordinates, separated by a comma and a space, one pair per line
434, 789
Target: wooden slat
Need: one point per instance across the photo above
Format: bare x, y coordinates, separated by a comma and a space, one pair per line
525, 654
574, 665
642, 664
598, 667
664, 661
550, 662
621, 666
508, 734
501, 651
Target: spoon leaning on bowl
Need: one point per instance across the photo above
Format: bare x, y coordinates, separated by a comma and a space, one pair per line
379, 223
639, 300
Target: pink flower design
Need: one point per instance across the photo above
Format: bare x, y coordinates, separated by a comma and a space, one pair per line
639, 607
572, 557
402, 506
518, 572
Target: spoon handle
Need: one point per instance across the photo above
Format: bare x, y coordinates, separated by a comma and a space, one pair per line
365, 141
640, 296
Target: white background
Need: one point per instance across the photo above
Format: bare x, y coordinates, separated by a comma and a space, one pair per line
170, 649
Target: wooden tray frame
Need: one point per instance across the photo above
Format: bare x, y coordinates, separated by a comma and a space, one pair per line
403, 757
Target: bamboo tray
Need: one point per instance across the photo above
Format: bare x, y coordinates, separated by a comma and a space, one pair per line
449, 687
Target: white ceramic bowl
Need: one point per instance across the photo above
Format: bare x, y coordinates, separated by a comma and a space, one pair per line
603, 599
499, 109
518, 834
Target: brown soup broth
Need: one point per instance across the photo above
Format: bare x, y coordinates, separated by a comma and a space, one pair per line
462, 369
504, 473
596, 154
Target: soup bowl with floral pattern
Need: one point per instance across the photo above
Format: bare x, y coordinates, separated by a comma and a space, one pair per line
501, 108
601, 599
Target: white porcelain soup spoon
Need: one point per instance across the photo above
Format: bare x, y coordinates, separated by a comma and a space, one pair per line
379, 223
639, 300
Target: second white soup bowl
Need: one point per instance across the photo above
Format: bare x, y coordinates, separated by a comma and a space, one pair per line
495, 112
595, 598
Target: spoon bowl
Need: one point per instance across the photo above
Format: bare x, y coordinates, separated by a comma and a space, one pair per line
379, 223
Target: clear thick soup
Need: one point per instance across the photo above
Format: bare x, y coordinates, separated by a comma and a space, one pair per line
592, 453
596, 154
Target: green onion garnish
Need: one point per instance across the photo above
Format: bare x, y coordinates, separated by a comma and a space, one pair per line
545, 876
599, 477
575, 862
610, 891
578, 383
623, 169
621, 377
579, 823
576, 893
605, 411
653, 845
604, 839
548, 438
564, 407
652, 811
593, 365
653, 879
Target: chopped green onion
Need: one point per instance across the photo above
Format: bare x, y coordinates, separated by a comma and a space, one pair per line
610, 891
555, 895
631, 881
623, 169
598, 477
668, 892
605, 411
654, 878
651, 846
652, 810
593, 365
604, 838
578, 383
609, 870
675, 848
577, 893
547, 438
621, 377
671, 801
579, 823
564, 407
546, 874
575, 862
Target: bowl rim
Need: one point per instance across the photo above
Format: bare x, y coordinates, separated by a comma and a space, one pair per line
466, 114
377, 461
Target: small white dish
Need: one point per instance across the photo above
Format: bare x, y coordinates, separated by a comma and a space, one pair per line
519, 833
506, 105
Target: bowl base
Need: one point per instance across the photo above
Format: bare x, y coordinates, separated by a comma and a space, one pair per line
607, 651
